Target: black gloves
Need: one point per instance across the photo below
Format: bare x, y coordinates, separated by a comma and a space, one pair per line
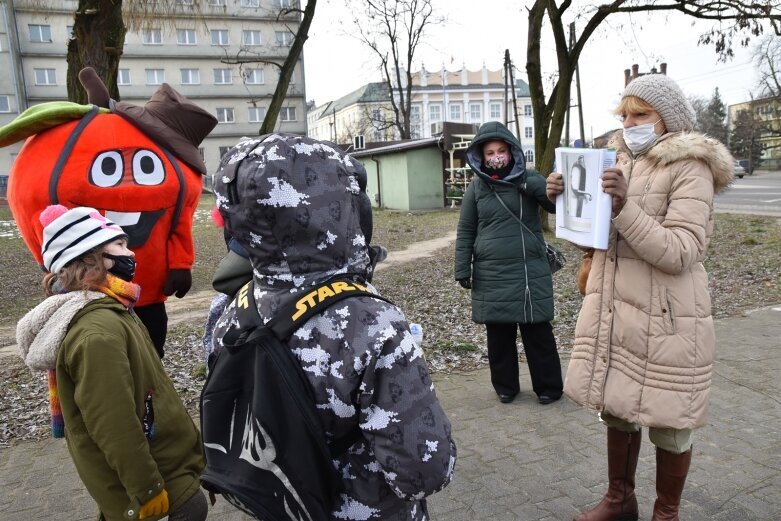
465, 283
178, 281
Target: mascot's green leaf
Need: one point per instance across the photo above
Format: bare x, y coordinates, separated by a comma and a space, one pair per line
41, 117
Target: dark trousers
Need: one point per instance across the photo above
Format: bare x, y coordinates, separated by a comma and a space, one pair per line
540, 347
155, 319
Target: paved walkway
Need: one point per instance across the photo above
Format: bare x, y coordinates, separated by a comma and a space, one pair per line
527, 462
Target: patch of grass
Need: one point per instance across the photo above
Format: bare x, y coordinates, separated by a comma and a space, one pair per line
456, 347
21, 287
199, 371
397, 230
743, 263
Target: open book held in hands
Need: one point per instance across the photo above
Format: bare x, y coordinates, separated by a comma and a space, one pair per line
583, 210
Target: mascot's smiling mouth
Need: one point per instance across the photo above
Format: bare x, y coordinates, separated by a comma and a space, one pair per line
137, 225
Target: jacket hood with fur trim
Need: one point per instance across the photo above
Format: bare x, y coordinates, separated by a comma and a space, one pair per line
39, 334
682, 146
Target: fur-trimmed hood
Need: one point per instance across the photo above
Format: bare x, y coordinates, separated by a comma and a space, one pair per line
680, 146
41, 331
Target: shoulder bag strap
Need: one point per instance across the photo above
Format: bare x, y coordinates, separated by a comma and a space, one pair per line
515, 216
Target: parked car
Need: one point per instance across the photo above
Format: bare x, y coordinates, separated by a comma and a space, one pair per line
739, 170
745, 163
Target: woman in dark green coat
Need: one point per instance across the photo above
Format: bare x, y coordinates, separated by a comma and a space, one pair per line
500, 256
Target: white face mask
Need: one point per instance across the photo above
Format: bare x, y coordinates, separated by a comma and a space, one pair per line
641, 137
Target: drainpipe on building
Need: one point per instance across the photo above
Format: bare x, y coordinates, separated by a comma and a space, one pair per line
15, 54
379, 182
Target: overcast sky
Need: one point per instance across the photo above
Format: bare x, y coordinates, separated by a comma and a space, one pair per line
337, 63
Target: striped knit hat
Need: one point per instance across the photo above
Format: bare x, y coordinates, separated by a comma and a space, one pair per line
69, 234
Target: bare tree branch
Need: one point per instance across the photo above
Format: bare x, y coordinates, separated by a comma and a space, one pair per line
393, 30
737, 21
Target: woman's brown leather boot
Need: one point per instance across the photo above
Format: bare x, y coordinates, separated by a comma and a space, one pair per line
619, 503
671, 472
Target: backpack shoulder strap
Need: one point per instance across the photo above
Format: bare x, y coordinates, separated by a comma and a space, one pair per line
291, 316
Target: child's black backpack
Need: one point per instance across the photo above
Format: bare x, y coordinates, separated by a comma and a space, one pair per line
265, 449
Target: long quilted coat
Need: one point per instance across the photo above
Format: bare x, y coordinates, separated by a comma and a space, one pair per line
644, 340
511, 278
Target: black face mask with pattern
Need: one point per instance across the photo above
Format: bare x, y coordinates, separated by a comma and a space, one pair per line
499, 173
124, 266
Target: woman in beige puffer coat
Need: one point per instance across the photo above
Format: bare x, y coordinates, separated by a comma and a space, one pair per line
644, 340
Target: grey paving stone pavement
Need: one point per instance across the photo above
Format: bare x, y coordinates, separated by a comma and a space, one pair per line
524, 461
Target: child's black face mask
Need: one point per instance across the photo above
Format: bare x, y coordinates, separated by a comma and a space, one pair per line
124, 266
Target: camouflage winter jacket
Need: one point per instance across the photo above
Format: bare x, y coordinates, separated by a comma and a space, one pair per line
297, 215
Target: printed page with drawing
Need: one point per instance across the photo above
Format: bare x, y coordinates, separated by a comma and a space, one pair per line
583, 210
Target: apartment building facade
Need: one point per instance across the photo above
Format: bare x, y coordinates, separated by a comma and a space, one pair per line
462, 96
366, 112
767, 115
218, 53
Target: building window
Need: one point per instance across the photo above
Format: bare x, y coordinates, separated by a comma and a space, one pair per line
528, 132
282, 3
455, 112
45, 76
287, 114
475, 112
223, 151
527, 111
414, 113
152, 37
40, 33
251, 38
225, 115
496, 110
250, 3
253, 76
123, 77
191, 76
219, 36
435, 112
256, 114
222, 77
284, 38
529, 156
155, 76
185, 37
5, 104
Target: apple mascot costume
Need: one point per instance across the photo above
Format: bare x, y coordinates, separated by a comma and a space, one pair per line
138, 165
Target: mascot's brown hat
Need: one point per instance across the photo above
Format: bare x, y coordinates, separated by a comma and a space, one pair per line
168, 118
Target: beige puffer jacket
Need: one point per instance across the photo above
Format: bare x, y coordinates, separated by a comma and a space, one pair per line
644, 340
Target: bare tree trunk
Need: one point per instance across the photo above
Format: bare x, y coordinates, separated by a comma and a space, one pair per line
97, 41
286, 72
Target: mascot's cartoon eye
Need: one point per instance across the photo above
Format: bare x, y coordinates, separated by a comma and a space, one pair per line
107, 169
147, 168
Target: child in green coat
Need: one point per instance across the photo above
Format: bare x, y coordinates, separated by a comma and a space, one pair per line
133, 443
